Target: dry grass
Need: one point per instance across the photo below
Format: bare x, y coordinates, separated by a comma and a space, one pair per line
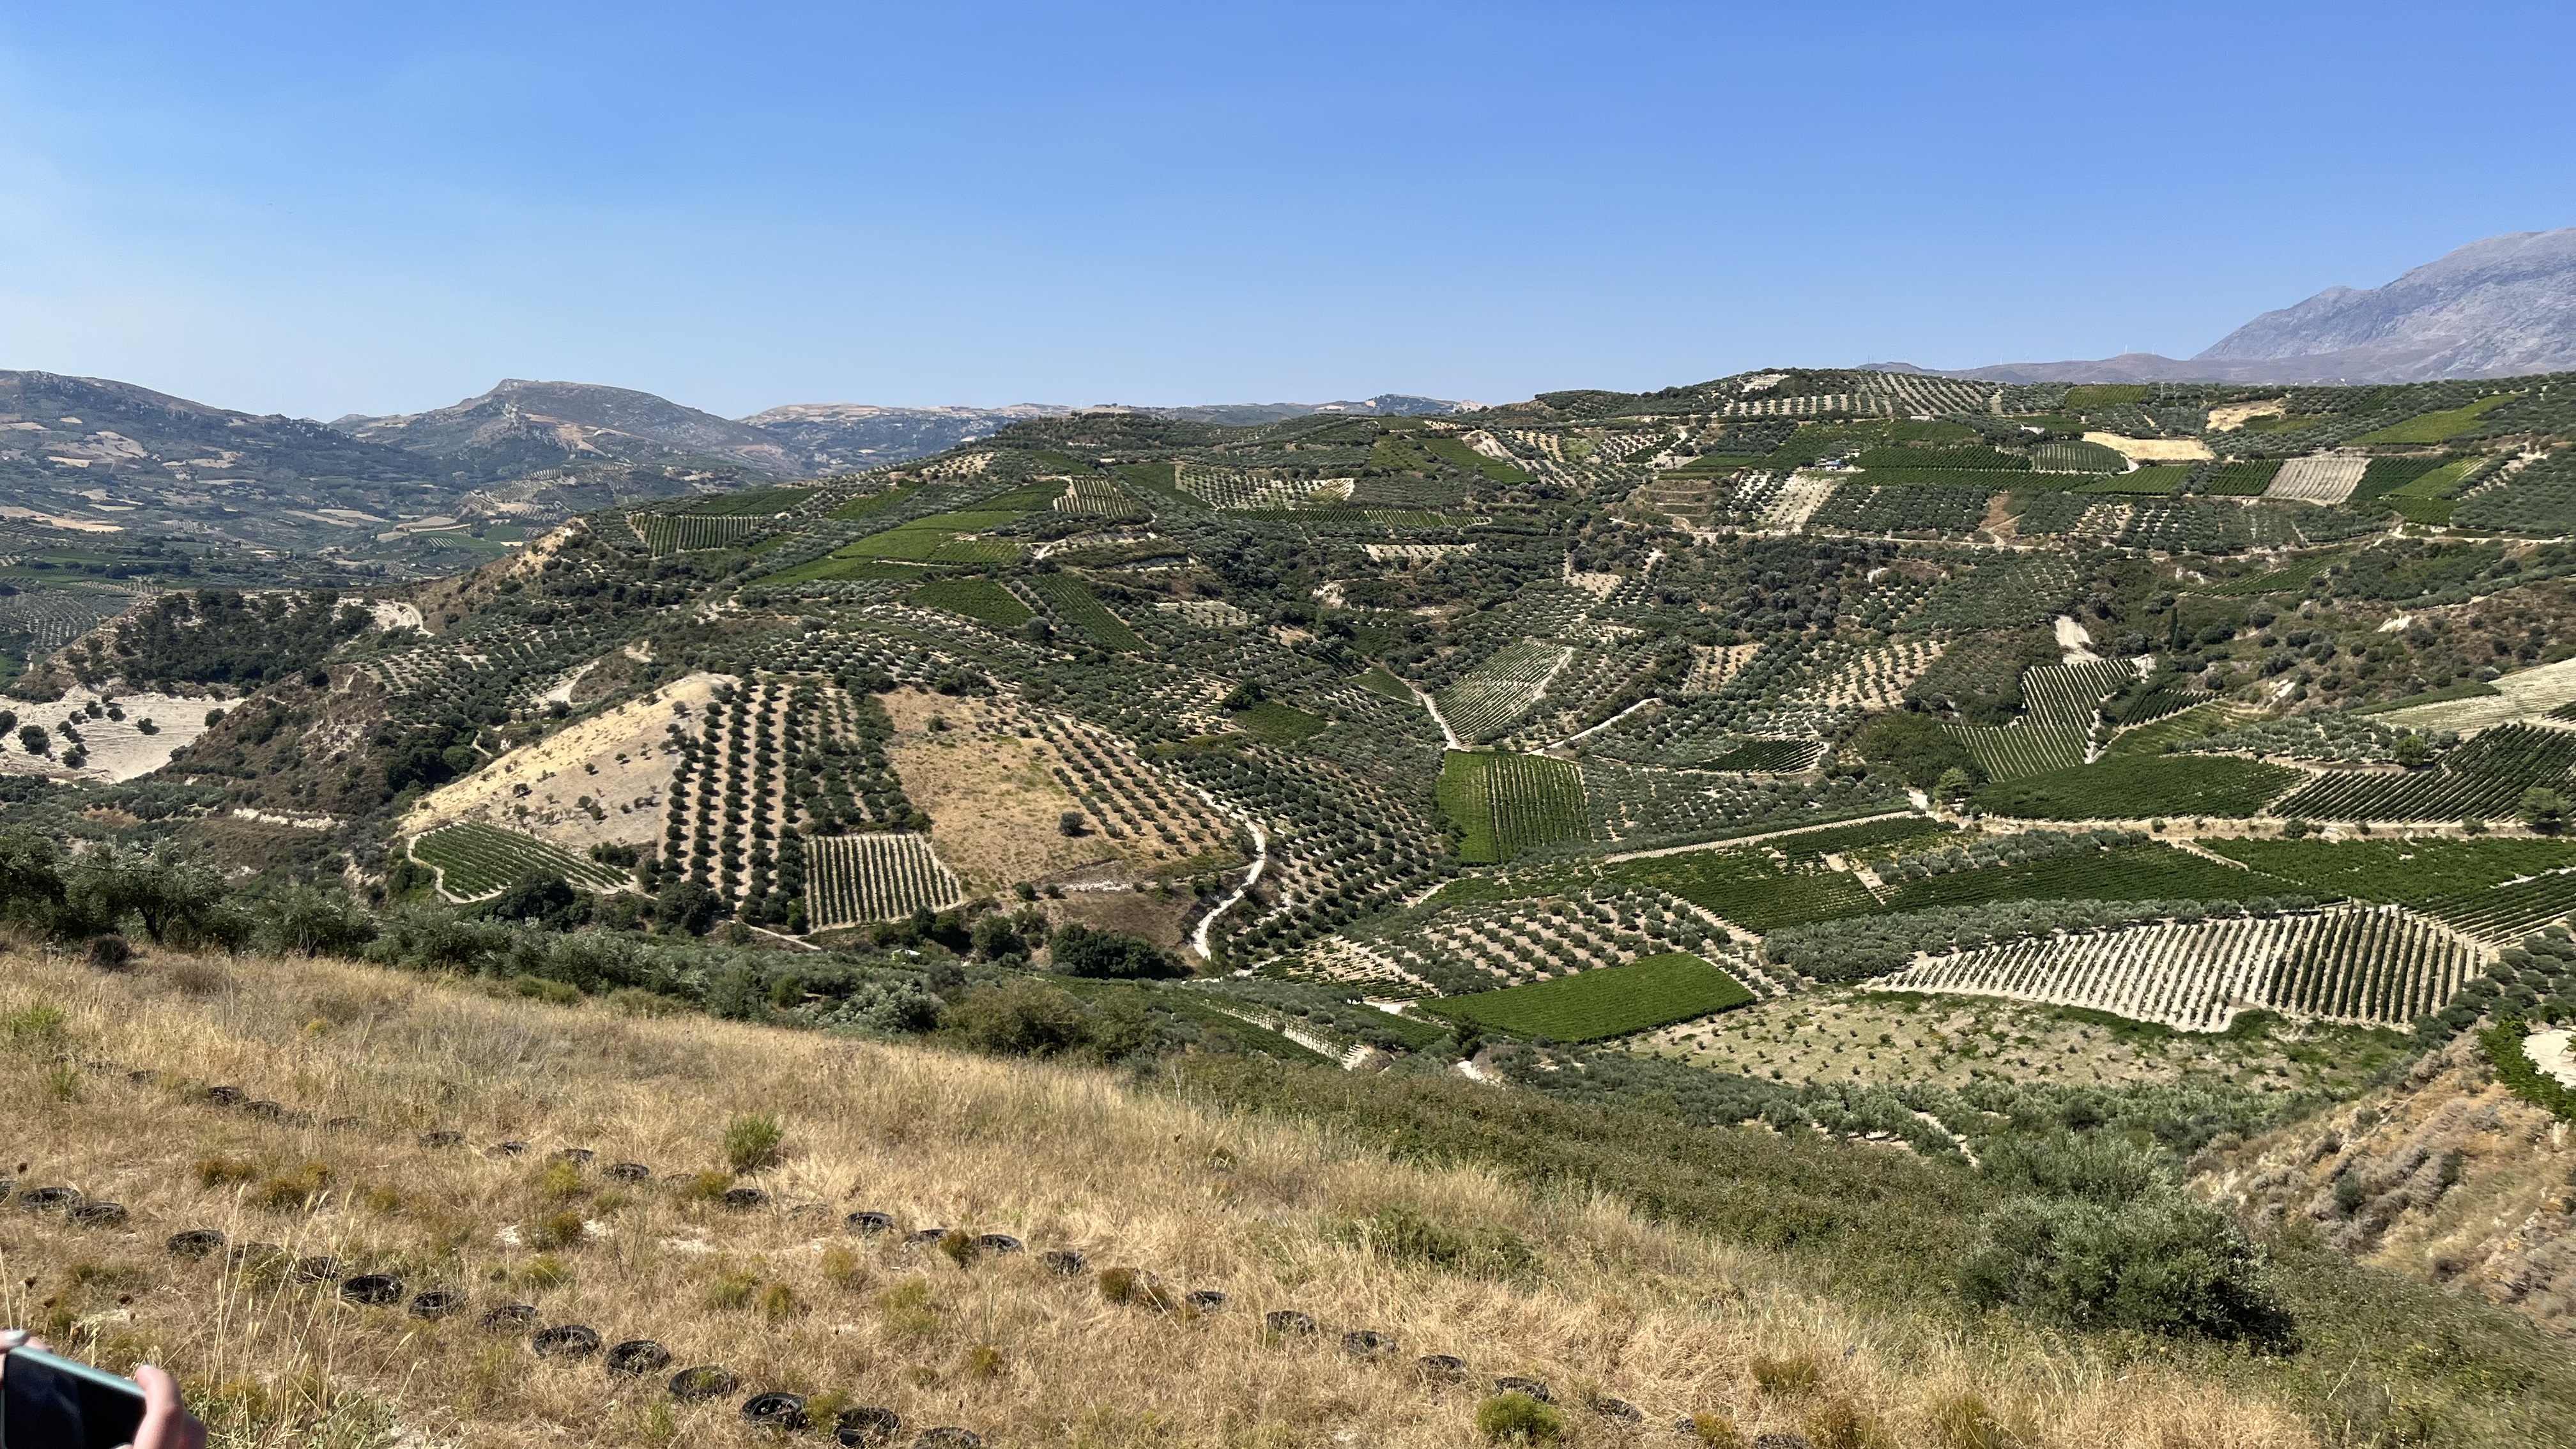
786, 1299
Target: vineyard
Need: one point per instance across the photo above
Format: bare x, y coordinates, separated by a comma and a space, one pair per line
1484, 704
1070, 600
879, 876
1609, 1002
2141, 787
2372, 965
2482, 779
670, 533
475, 861
1505, 803
2063, 701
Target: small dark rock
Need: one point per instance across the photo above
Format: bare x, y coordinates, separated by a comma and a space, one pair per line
867, 1426
706, 1381
637, 1357
50, 1199
927, 1235
1367, 1343
577, 1156
867, 1222
435, 1303
265, 1110
1205, 1300
629, 1171
1287, 1320
344, 1124
142, 1076
320, 1268
1446, 1368
99, 1215
1619, 1409
565, 1340
375, 1290
195, 1243
949, 1439
253, 1256
223, 1096
1068, 1261
1783, 1439
998, 1243
741, 1198
441, 1139
509, 1149
1510, 1384
509, 1317
774, 1411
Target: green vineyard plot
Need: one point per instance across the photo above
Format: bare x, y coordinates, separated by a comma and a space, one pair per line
2482, 779
1278, 723
1069, 597
474, 860
1505, 804
979, 599
875, 876
2129, 873
2139, 787
1609, 1002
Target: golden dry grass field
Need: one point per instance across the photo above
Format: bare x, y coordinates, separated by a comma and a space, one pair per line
105, 1080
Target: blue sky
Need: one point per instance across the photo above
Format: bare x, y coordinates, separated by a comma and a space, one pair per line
324, 209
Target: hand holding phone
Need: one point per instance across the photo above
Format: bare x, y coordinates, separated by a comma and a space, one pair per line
50, 1402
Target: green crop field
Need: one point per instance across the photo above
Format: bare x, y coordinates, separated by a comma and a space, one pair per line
1278, 723
2136, 787
2438, 427
1599, 1004
476, 860
980, 599
1376, 680
2411, 872
1505, 804
1071, 598
1745, 887
830, 568
2148, 872
755, 502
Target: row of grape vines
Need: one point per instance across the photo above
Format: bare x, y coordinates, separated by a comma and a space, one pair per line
2482, 779
2059, 703
874, 877
2372, 964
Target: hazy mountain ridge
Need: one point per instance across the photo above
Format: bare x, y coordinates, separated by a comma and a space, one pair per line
2499, 307
521, 425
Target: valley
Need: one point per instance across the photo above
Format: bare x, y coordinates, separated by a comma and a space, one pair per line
1908, 847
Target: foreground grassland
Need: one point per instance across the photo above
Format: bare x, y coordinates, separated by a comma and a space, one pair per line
1574, 1290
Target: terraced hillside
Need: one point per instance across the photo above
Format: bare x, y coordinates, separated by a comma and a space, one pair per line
1658, 750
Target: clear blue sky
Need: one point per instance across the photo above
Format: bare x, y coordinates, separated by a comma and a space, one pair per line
330, 208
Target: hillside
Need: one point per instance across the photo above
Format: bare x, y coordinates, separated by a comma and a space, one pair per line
1930, 830
520, 426
494, 1291
2499, 307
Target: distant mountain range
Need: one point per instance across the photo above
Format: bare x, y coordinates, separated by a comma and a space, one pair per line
89, 453
520, 427
2500, 307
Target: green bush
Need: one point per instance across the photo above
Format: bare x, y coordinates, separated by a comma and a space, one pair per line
752, 1142
1518, 1419
1403, 1235
2158, 1264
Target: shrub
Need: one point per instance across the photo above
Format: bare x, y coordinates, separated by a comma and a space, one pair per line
557, 1230
752, 1143
2159, 1264
732, 1290
1109, 955
1517, 1418
1791, 1374
110, 953
1718, 1431
290, 1192
223, 1171
1405, 1236
1843, 1425
1963, 1421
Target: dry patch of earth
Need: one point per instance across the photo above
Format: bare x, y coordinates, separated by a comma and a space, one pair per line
620, 760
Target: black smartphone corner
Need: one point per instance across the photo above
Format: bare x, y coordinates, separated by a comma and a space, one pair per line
50, 1402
